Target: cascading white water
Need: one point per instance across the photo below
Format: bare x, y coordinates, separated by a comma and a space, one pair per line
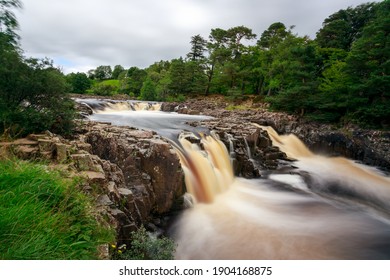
353, 177
109, 106
266, 219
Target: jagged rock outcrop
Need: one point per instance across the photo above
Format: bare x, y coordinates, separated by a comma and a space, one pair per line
134, 176
151, 167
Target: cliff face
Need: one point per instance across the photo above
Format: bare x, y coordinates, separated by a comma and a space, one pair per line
150, 166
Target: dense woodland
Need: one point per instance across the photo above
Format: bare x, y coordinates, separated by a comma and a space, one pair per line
341, 76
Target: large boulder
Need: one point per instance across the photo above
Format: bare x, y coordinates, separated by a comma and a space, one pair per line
151, 168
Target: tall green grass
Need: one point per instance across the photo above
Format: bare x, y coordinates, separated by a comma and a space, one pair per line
44, 216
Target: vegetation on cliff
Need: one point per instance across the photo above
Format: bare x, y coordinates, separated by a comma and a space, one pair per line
45, 216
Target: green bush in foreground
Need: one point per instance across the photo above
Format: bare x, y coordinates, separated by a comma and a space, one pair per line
145, 247
44, 216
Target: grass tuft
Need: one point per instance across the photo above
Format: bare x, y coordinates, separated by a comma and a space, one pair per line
44, 216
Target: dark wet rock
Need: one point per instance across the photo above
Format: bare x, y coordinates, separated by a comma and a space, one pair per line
152, 175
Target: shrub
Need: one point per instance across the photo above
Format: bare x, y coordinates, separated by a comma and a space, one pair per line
104, 89
32, 96
145, 247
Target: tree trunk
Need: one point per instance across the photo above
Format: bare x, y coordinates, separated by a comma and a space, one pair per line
210, 77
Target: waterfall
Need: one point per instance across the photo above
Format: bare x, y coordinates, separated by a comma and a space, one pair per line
208, 172
354, 177
109, 106
330, 208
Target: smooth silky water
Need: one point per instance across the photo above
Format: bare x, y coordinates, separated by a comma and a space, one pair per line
325, 208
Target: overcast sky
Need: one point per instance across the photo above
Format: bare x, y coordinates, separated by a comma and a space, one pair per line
82, 34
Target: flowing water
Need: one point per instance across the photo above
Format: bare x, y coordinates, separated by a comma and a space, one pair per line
321, 208
328, 208
142, 115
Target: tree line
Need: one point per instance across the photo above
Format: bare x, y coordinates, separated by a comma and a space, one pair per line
340, 76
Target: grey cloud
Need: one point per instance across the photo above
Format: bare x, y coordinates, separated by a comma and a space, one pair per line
90, 33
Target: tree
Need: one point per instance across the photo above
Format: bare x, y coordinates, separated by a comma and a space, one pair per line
235, 36
177, 75
103, 72
91, 74
134, 81
274, 35
116, 72
342, 28
198, 47
8, 21
332, 101
293, 75
271, 45
367, 66
32, 96
158, 72
218, 52
79, 82
195, 75
225, 48
148, 90
32, 91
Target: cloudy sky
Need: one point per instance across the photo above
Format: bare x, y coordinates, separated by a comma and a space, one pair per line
82, 34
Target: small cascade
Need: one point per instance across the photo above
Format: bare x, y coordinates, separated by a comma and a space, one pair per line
109, 106
232, 152
208, 172
248, 149
290, 144
354, 178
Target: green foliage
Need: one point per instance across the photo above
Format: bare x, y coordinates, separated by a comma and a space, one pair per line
32, 95
106, 88
342, 28
145, 247
102, 72
341, 77
177, 98
274, 35
198, 47
148, 91
79, 82
293, 78
45, 216
179, 82
118, 69
134, 81
367, 66
8, 21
